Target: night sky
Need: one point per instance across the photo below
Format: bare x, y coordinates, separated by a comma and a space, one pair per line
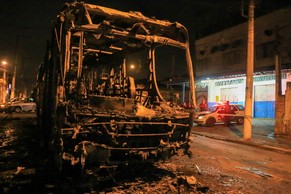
30, 21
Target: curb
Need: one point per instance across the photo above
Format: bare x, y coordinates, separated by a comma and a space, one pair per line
248, 143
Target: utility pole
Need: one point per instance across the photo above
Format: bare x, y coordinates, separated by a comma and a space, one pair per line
250, 73
279, 98
5, 85
14, 70
13, 87
13, 83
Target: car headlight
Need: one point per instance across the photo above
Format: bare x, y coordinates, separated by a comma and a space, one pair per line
201, 117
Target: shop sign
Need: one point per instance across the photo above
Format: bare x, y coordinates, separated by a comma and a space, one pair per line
229, 82
239, 81
200, 85
264, 78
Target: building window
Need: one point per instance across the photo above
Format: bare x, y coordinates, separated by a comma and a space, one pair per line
265, 50
237, 43
214, 49
223, 47
231, 58
202, 64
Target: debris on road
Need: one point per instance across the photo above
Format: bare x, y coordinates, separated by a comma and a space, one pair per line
198, 169
19, 169
256, 171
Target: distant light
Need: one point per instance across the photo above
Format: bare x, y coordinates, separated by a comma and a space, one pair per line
4, 63
205, 81
132, 66
115, 48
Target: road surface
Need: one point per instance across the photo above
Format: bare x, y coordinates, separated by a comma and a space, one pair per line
215, 167
239, 168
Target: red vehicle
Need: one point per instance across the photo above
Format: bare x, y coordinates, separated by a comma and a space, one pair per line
216, 113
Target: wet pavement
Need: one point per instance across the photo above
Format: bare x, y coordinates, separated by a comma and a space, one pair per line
262, 132
25, 170
262, 135
21, 115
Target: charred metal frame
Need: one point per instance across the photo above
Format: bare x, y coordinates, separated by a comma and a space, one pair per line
89, 110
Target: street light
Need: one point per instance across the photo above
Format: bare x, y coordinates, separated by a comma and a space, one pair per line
132, 66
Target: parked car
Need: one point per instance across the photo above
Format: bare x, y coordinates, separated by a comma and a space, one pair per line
25, 104
3, 106
215, 114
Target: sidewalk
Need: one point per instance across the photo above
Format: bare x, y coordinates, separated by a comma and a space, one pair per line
13, 116
262, 135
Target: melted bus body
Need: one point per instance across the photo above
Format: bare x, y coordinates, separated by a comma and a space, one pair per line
91, 111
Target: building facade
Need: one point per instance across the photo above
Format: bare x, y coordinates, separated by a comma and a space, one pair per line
233, 90
221, 60
3, 85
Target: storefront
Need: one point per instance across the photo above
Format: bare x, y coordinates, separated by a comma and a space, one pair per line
233, 90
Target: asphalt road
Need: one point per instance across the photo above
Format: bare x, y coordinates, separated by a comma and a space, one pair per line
239, 168
21, 115
215, 167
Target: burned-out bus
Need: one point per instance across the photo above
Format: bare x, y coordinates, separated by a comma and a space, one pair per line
93, 110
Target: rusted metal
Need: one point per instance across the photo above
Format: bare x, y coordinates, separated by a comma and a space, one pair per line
89, 110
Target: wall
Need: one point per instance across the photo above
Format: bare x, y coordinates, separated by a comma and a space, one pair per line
287, 117
224, 53
233, 90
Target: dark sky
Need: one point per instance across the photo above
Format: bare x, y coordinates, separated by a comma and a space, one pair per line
29, 21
